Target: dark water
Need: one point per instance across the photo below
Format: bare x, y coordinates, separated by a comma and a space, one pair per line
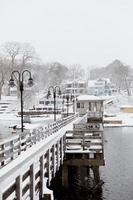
117, 174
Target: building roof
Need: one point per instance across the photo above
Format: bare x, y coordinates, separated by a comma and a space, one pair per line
90, 98
75, 81
94, 83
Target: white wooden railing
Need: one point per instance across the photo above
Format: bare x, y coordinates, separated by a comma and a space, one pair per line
25, 177
12, 148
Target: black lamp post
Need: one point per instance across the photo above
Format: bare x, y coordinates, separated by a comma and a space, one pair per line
73, 105
73, 102
69, 97
54, 90
67, 101
21, 87
63, 105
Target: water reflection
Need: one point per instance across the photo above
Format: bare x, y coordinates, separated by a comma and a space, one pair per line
81, 185
118, 171
117, 174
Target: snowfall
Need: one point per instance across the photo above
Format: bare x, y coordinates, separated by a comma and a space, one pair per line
9, 115
9, 118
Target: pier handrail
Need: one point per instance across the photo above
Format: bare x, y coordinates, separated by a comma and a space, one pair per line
25, 177
12, 148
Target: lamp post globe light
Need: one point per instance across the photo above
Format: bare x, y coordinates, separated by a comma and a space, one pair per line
21, 87
54, 90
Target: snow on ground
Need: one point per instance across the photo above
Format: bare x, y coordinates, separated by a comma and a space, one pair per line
9, 117
126, 118
32, 155
114, 109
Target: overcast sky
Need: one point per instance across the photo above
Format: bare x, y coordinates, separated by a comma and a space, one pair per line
87, 32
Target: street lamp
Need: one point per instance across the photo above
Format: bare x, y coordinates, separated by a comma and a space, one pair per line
69, 97
21, 87
63, 105
54, 90
73, 101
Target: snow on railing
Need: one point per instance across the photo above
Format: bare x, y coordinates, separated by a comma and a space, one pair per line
27, 176
13, 147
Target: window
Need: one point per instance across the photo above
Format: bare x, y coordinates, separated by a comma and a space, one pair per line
46, 102
41, 102
78, 105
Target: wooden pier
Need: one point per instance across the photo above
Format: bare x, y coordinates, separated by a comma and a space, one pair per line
30, 160
84, 144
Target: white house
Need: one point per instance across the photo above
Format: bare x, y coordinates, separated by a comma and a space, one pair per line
100, 87
89, 103
77, 87
47, 104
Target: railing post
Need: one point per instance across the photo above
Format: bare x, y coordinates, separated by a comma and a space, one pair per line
19, 187
35, 138
32, 181
49, 168
83, 138
62, 151
19, 140
30, 139
25, 141
42, 176
46, 132
53, 160
3, 155
58, 156
12, 149
42, 133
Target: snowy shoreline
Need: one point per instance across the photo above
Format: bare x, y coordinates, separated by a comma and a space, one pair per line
117, 125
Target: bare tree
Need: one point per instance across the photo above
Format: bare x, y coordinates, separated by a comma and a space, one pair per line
120, 76
27, 55
20, 56
11, 50
76, 72
118, 73
4, 72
